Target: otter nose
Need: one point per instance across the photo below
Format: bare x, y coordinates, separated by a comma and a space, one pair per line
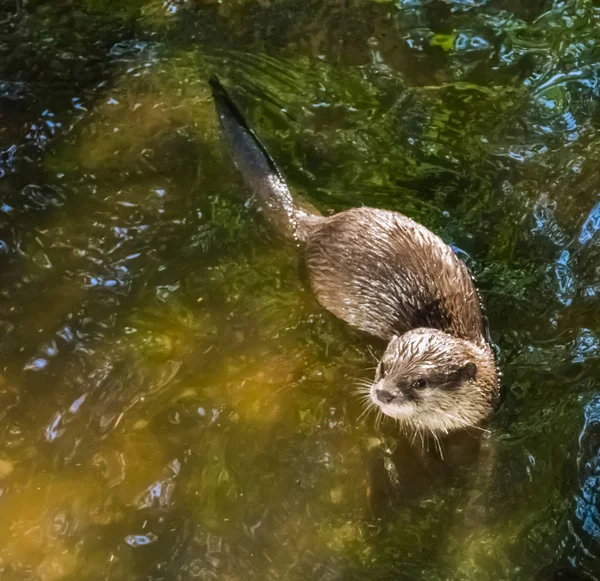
384, 396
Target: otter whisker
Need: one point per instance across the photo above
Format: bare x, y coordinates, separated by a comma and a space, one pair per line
368, 407
362, 383
416, 431
421, 436
362, 395
361, 380
362, 390
372, 355
365, 399
464, 423
365, 402
401, 426
378, 419
438, 444
409, 427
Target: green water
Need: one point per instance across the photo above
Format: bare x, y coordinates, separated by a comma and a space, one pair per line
174, 404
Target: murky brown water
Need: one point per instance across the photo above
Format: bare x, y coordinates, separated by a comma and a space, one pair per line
174, 404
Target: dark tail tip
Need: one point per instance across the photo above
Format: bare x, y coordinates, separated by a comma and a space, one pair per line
226, 105
228, 111
217, 87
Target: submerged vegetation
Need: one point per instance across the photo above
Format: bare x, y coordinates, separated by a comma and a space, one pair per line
174, 403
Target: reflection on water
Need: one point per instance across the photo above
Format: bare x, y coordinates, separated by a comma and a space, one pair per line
579, 550
174, 403
585, 531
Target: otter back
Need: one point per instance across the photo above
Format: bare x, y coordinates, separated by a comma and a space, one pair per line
385, 274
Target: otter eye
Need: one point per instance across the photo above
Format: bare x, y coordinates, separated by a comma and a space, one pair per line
419, 383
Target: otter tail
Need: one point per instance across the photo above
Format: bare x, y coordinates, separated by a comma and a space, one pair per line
289, 218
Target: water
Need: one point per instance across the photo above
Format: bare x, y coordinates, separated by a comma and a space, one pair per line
174, 403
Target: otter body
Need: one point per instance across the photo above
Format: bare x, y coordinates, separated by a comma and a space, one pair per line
391, 277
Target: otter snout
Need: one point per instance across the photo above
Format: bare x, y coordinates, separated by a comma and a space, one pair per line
391, 400
384, 396
383, 393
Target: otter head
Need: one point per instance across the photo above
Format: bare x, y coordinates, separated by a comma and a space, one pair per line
434, 382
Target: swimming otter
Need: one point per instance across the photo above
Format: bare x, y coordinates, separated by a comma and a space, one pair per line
384, 274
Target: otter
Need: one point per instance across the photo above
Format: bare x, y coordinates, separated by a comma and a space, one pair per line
388, 276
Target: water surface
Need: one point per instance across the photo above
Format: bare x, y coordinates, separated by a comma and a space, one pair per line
174, 404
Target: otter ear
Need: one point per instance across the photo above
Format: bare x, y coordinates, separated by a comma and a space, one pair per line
469, 370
